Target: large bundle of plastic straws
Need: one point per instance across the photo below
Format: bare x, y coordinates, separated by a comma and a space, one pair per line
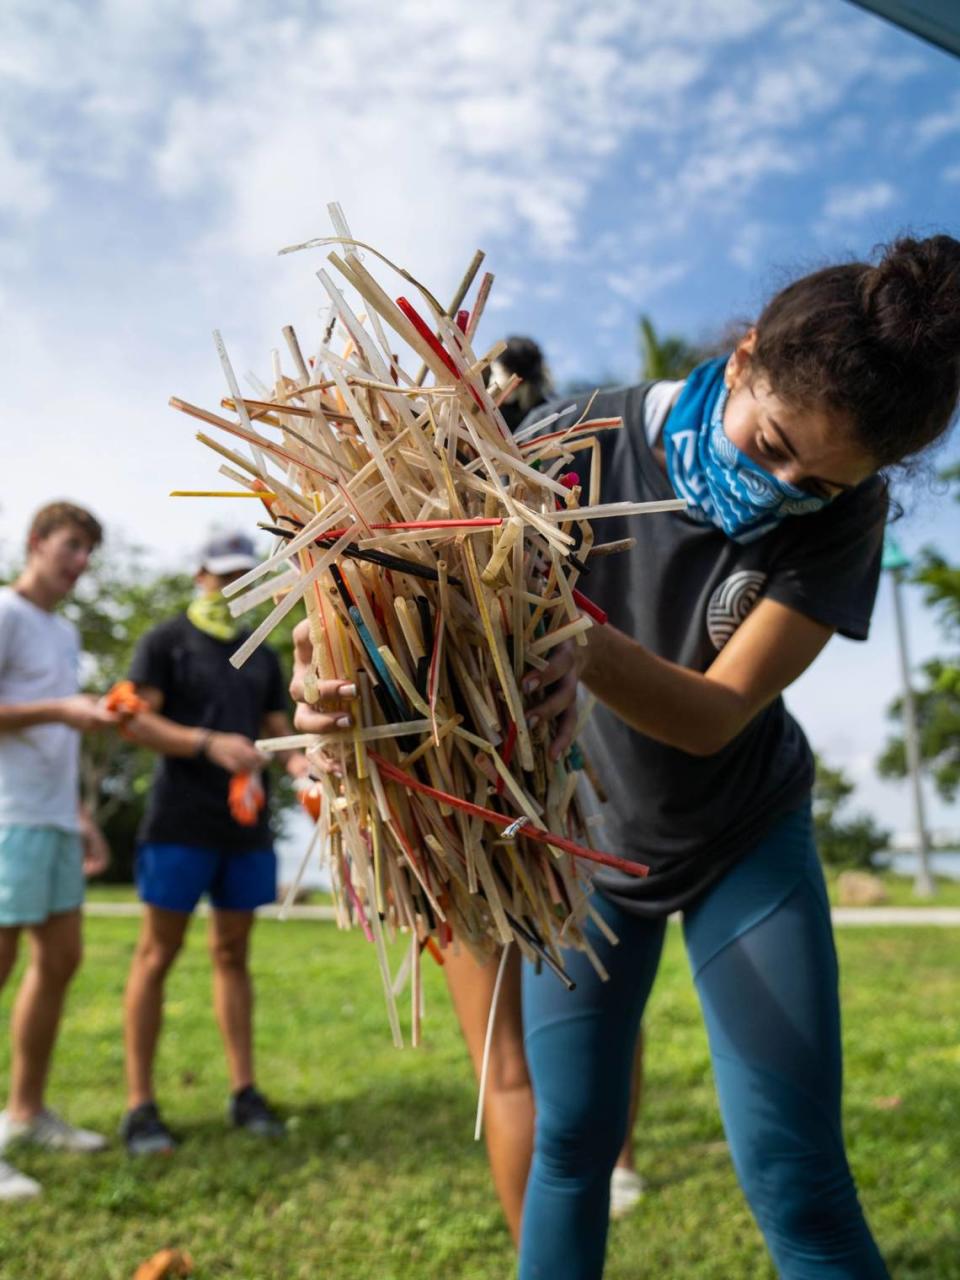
438, 558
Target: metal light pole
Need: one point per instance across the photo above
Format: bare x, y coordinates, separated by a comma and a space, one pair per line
897, 563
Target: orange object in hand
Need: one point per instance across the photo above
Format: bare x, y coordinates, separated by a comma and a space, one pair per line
246, 798
312, 800
123, 698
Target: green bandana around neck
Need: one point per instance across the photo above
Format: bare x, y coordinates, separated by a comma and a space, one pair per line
210, 613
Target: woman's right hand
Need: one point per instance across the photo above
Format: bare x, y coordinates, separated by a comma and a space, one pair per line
329, 711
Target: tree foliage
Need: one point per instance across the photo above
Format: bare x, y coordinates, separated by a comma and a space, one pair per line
937, 695
848, 842
665, 357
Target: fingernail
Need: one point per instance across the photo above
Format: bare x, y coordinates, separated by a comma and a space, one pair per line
531, 683
532, 721
348, 691
344, 722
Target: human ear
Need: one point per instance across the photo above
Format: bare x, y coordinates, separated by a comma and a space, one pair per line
738, 370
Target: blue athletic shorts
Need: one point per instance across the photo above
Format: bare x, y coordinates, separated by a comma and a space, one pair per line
41, 873
176, 876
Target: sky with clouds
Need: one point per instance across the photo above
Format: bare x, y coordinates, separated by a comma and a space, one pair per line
678, 157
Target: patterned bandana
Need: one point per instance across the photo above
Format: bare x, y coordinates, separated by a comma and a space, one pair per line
210, 613
722, 485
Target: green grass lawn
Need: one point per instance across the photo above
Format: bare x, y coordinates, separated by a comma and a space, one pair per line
380, 1177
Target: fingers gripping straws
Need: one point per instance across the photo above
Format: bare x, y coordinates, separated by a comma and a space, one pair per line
437, 559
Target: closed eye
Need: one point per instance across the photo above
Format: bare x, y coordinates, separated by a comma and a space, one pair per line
769, 448
776, 453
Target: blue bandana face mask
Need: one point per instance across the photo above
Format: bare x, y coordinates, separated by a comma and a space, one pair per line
721, 484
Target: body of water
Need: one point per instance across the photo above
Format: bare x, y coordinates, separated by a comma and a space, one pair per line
945, 863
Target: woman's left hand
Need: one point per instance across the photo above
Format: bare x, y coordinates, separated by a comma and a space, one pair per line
558, 683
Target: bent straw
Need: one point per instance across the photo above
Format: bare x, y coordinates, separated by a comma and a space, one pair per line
489, 815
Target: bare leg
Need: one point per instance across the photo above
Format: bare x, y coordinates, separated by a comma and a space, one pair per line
508, 1106
626, 1158
233, 991
161, 937
55, 951
9, 945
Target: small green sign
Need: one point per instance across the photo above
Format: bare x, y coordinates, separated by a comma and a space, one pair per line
893, 556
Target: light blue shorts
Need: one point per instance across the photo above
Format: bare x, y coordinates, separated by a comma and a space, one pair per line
41, 873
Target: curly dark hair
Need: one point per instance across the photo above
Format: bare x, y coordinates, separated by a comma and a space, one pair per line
878, 344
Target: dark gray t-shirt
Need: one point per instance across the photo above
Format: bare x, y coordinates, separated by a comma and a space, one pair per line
682, 592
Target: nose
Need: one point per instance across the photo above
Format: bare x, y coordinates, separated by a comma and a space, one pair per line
790, 472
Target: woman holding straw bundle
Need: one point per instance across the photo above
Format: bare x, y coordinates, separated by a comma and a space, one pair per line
779, 450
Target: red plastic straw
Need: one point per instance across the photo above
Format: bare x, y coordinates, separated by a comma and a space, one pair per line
391, 772
434, 343
588, 607
506, 755
427, 334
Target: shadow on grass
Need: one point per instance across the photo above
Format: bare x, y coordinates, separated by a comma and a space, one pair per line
363, 1137
937, 1256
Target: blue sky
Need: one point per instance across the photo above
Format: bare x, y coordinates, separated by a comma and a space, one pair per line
680, 157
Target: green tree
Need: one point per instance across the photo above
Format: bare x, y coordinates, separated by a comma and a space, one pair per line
669, 357
938, 696
842, 841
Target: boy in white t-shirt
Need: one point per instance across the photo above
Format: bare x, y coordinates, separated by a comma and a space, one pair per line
47, 840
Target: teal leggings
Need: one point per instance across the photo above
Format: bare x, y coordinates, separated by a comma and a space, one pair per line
761, 950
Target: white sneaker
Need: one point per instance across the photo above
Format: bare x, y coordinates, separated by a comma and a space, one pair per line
49, 1130
626, 1188
15, 1185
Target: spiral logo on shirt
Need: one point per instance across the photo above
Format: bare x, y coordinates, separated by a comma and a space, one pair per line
731, 602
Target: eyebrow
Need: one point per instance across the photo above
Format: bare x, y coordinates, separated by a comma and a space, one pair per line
785, 441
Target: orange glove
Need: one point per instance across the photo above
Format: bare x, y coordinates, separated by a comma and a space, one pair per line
123, 698
312, 800
246, 798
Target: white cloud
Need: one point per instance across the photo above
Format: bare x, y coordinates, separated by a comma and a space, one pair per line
24, 187
951, 173
939, 124
640, 281
851, 203
748, 243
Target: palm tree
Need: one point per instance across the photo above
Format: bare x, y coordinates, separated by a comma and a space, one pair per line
668, 357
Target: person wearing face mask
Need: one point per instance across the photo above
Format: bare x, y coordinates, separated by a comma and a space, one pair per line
205, 831
780, 450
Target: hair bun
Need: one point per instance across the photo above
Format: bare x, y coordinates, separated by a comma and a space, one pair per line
913, 300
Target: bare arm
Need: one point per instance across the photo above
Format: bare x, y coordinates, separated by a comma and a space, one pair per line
697, 713
276, 724
231, 751
81, 711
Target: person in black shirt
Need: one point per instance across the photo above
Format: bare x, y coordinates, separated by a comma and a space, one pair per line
205, 830
779, 451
